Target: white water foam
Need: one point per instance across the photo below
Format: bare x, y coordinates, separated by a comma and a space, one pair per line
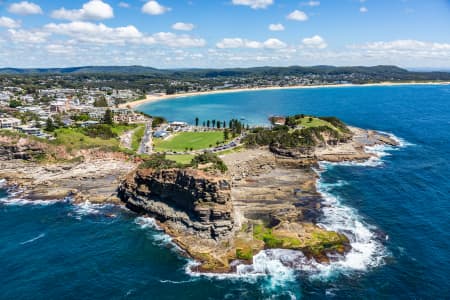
157, 235
33, 239
367, 251
11, 201
87, 208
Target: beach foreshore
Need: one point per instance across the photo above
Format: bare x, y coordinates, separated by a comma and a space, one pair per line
156, 98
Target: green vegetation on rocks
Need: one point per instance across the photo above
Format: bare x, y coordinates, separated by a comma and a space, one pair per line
209, 158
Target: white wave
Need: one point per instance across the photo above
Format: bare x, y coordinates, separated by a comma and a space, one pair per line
402, 143
33, 239
367, 251
2, 182
11, 201
87, 208
146, 222
157, 234
176, 282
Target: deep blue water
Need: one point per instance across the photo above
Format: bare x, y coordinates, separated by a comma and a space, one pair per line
397, 208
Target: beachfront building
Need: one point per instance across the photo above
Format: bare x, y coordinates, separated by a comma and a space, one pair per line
9, 123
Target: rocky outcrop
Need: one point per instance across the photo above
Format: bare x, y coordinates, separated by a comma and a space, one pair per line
20, 149
183, 200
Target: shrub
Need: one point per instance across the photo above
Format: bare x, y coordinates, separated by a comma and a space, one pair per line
159, 162
209, 157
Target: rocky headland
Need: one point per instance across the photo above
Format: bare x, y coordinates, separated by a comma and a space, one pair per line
266, 198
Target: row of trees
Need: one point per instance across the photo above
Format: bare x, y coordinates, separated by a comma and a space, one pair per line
234, 125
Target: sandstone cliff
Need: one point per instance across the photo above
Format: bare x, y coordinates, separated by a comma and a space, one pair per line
188, 199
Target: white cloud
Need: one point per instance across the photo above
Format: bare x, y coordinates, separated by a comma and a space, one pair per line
183, 26
233, 43
28, 37
88, 32
404, 46
363, 9
124, 5
254, 4
92, 10
25, 8
154, 8
297, 15
95, 33
274, 44
276, 27
9, 23
314, 42
173, 40
311, 3
59, 49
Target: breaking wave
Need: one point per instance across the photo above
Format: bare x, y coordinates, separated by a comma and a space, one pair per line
157, 234
87, 208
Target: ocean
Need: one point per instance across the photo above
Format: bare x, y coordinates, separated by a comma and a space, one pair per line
395, 211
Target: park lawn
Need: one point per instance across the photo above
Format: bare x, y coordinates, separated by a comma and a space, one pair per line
181, 158
187, 140
75, 139
316, 122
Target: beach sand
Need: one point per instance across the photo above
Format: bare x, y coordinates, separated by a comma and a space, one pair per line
156, 98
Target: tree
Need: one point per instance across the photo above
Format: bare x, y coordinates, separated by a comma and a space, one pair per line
108, 117
224, 125
310, 119
218, 125
213, 123
101, 102
226, 135
196, 121
204, 123
208, 123
49, 126
14, 103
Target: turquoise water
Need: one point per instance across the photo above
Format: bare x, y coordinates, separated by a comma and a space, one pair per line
394, 210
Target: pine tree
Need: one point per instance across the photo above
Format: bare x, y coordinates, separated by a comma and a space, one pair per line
108, 118
196, 121
49, 126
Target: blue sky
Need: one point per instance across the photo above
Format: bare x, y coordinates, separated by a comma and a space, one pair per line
225, 33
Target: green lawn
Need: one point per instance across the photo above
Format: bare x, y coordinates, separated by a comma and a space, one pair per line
75, 139
194, 140
316, 122
181, 158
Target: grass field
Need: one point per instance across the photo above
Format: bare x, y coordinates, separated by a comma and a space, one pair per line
187, 140
181, 158
316, 122
75, 139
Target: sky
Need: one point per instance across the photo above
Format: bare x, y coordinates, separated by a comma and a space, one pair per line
225, 33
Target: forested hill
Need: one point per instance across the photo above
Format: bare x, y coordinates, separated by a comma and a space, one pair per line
378, 73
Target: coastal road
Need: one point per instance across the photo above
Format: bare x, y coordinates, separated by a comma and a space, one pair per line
146, 143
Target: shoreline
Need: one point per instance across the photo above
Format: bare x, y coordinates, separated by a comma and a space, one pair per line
156, 98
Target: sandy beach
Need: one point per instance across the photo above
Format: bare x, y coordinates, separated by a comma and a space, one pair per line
161, 97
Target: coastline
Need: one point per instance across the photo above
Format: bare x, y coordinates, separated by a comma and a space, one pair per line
157, 98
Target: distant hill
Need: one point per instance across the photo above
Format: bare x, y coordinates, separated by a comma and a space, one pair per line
382, 72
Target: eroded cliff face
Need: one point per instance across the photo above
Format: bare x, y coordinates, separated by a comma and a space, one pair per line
20, 148
183, 200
